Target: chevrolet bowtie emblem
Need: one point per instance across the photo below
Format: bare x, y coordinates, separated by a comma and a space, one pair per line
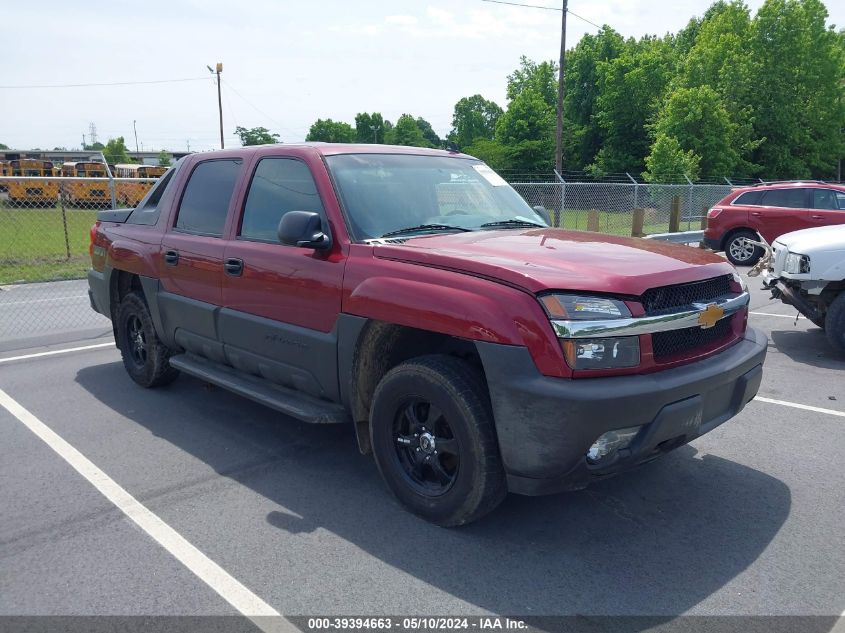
710, 315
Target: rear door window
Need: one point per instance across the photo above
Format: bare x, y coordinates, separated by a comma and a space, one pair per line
825, 199
205, 203
788, 198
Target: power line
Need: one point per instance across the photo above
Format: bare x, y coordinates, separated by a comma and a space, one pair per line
253, 106
575, 15
117, 83
537, 6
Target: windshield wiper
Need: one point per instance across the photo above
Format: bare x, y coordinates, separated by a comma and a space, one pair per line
426, 227
509, 223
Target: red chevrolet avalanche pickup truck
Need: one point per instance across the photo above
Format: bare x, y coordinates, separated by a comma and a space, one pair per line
414, 294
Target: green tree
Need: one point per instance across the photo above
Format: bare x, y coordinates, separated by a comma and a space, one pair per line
164, 158
630, 89
582, 137
474, 119
256, 136
389, 133
94, 147
526, 132
797, 64
699, 122
115, 151
408, 132
369, 128
669, 162
3, 146
330, 131
490, 151
428, 132
720, 60
540, 78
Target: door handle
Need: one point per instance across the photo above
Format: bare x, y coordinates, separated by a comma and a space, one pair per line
817, 217
171, 258
234, 266
756, 214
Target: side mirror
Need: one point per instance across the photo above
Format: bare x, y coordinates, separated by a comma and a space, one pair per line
541, 210
303, 229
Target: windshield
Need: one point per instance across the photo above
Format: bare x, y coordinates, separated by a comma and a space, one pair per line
386, 193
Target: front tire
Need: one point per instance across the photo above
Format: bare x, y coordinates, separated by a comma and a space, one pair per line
739, 252
834, 324
145, 357
434, 441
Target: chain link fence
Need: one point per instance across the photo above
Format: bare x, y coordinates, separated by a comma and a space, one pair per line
45, 225
608, 207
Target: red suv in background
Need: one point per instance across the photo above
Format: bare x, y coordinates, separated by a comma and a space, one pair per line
770, 210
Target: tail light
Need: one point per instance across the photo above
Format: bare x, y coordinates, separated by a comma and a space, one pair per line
714, 213
92, 237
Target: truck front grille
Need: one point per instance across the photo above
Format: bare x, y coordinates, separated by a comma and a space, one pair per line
677, 344
667, 299
673, 343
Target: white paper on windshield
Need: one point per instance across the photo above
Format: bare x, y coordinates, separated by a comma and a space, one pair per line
490, 176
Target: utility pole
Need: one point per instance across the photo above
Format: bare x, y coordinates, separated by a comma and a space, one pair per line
560, 90
375, 129
218, 70
134, 129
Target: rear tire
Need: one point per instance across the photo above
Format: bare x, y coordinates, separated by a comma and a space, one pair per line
145, 357
434, 442
835, 323
739, 252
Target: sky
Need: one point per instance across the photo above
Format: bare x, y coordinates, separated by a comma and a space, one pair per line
286, 63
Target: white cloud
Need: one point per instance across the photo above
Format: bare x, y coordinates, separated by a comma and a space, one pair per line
406, 20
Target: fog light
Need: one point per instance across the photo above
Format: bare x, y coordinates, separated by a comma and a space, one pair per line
610, 442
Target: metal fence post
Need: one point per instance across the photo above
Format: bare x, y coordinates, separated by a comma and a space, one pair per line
636, 189
560, 214
689, 202
64, 217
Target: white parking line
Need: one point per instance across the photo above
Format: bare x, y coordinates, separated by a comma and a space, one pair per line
783, 316
55, 351
229, 588
805, 407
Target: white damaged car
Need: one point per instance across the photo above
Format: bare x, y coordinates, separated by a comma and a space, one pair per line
806, 269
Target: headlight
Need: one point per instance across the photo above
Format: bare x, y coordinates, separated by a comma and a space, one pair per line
602, 353
595, 353
796, 264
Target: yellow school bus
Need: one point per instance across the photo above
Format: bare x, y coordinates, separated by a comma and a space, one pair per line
129, 194
5, 170
86, 194
25, 191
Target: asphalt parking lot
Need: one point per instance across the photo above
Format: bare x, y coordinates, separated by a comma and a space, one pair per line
747, 520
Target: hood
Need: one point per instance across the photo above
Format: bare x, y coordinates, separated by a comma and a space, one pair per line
819, 239
554, 259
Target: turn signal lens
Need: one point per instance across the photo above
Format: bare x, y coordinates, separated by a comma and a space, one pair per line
92, 236
714, 212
